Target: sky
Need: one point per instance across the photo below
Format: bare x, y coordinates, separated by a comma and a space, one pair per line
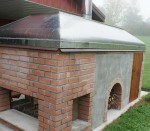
144, 6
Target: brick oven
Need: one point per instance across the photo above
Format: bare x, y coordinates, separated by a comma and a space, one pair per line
69, 70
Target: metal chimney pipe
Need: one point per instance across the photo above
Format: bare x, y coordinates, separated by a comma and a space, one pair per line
87, 9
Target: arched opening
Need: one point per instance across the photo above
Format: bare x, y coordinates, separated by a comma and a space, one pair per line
114, 100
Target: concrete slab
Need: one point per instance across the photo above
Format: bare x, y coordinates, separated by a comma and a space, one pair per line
20, 120
114, 114
4, 128
143, 93
79, 125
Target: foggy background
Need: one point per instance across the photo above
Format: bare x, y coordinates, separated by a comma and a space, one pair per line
131, 15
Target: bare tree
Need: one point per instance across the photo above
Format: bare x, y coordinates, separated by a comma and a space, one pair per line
133, 20
126, 14
114, 10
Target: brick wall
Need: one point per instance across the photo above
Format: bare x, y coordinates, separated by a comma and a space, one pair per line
4, 99
54, 78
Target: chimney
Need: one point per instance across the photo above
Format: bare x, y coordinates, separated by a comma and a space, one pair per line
87, 9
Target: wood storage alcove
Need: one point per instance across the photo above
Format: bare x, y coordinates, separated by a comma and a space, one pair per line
114, 101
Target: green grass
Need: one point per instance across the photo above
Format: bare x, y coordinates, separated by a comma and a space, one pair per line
136, 119
146, 76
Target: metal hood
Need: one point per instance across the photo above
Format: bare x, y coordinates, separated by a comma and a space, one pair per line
68, 33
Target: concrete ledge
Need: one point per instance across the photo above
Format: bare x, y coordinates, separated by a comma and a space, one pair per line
28, 123
9, 126
20, 120
79, 125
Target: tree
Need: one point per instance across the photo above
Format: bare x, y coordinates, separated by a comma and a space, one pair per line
132, 19
114, 10
126, 14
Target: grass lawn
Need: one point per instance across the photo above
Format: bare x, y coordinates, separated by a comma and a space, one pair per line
146, 76
136, 119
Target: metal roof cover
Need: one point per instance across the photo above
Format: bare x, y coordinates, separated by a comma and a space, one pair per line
66, 31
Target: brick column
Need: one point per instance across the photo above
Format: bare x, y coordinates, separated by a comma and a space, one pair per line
4, 99
55, 117
85, 109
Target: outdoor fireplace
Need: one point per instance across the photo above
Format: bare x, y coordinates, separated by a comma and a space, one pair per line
71, 75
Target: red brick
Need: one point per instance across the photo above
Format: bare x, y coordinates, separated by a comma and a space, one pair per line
59, 117
60, 106
13, 62
43, 125
39, 96
57, 56
5, 99
59, 82
54, 62
13, 57
54, 124
33, 54
44, 80
77, 90
4, 56
44, 67
40, 118
43, 103
45, 55
33, 89
22, 52
24, 70
73, 80
66, 119
38, 73
23, 64
24, 58
22, 86
54, 89
32, 77
33, 66
67, 98
5, 108
43, 114
39, 60
69, 62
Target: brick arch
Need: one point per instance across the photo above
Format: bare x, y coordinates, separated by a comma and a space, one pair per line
117, 83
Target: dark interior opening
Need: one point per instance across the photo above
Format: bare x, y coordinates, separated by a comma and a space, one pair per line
75, 112
114, 101
24, 103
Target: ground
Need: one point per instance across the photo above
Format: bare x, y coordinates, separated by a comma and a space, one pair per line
138, 117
